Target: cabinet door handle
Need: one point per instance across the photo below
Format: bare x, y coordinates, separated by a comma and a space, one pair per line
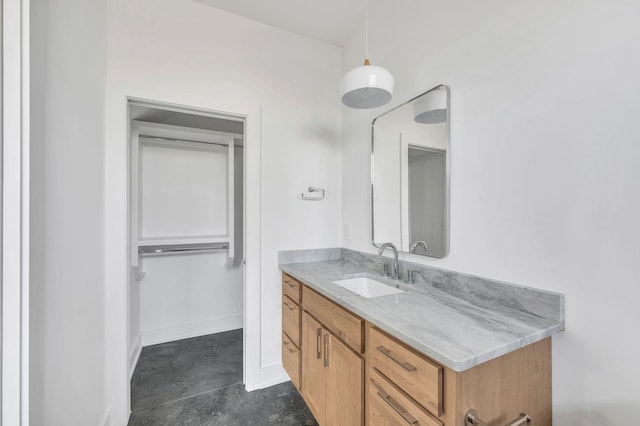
404, 364
471, 419
289, 284
288, 306
286, 345
318, 343
397, 408
326, 350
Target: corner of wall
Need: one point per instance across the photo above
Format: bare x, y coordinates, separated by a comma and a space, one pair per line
134, 355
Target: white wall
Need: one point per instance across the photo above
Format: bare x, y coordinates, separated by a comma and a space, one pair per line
188, 53
544, 172
189, 295
67, 195
184, 191
134, 346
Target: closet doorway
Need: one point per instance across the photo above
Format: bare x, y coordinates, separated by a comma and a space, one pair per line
186, 222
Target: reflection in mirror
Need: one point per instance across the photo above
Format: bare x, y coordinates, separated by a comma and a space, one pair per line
409, 172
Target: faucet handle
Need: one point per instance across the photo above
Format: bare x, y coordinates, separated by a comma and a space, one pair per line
410, 279
385, 269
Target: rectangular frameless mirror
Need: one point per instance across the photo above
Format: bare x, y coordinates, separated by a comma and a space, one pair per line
410, 160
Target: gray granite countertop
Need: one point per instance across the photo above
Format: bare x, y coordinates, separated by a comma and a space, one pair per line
458, 320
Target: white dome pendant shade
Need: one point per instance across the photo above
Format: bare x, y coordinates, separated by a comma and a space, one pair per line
368, 86
431, 108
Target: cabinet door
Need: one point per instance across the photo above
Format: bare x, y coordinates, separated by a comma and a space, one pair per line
291, 320
345, 372
313, 370
291, 360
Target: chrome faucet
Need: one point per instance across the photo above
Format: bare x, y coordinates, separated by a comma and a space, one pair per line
396, 269
417, 243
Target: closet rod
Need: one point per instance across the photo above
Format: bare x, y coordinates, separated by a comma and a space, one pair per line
151, 250
180, 140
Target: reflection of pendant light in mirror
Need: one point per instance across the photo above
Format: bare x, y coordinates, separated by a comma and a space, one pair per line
431, 108
368, 86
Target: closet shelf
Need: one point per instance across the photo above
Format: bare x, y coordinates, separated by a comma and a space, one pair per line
178, 245
182, 248
181, 241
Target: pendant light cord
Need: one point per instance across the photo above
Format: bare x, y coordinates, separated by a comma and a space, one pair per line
366, 29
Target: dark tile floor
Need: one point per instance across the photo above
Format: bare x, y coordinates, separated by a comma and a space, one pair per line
198, 382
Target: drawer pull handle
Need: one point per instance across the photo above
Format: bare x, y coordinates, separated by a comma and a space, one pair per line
404, 364
290, 285
472, 419
318, 343
288, 306
286, 345
326, 350
397, 408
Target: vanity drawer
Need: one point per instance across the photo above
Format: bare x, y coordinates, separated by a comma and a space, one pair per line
291, 360
386, 405
291, 287
291, 319
419, 377
341, 322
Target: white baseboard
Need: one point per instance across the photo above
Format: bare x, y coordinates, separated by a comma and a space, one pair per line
185, 331
274, 381
134, 356
270, 375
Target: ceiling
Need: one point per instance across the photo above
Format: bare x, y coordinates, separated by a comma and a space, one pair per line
328, 21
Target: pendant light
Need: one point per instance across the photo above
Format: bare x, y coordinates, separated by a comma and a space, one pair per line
367, 86
431, 108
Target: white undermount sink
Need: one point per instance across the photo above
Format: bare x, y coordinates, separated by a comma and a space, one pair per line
368, 287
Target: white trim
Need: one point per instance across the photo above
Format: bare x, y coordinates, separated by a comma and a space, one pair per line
134, 355
194, 329
117, 236
230, 202
272, 382
252, 368
14, 287
270, 375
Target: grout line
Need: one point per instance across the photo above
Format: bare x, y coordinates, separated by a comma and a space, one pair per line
185, 397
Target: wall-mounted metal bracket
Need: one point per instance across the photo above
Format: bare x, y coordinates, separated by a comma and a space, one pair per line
312, 189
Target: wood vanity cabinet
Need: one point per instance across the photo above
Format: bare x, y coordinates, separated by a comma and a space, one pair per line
418, 391
314, 377
291, 316
351, 373
387, 404
400, 376
332, 372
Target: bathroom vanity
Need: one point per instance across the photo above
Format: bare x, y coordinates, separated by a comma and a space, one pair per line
427, 355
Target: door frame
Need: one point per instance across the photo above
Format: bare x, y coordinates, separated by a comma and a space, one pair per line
14, 216
117, 238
